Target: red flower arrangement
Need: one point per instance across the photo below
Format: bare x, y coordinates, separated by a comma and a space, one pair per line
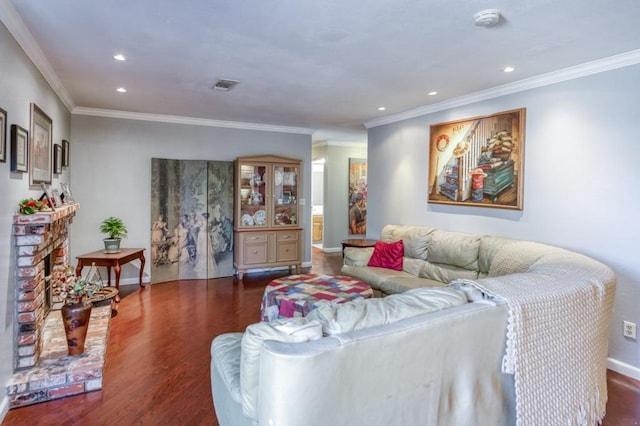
31, 206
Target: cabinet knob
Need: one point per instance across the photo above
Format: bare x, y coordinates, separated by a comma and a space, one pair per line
285, 236
255, 252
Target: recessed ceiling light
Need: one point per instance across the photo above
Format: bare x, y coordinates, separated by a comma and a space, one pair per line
121, 90
381, 108
432, 93
119, 57
509, 69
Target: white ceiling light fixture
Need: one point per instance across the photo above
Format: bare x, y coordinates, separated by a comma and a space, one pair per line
487, 17
119, 57
121, 90
509, 69
381, 108
224, 84
432, 93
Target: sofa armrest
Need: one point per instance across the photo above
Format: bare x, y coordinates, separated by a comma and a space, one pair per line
356, 256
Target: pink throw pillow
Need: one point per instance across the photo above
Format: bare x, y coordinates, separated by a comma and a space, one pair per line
388, 255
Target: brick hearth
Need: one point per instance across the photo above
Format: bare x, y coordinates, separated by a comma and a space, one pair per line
43, 370
57, 374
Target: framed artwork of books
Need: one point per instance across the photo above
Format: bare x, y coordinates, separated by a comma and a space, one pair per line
478, 161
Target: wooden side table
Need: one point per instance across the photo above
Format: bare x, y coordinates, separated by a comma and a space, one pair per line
357, 242
112, 260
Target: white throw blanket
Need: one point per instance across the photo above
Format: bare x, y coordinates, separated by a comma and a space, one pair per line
557, 334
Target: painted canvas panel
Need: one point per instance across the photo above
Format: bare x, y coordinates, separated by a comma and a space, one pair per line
357, 196
478, 161
191, 219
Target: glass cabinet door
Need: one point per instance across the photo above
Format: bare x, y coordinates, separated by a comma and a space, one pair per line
285, 184
253, 195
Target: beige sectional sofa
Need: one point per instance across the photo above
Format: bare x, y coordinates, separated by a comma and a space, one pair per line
474, 330
431, 258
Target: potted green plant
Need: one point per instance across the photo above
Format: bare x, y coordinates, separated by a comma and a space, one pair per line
115, 230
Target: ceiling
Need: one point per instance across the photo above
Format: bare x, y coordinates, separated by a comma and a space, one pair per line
322, 67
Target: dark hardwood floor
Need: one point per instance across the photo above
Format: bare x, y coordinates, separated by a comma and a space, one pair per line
157, 370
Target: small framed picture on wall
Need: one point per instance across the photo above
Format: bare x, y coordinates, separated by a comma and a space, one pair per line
57, 159
65, 153
3, 135
19, 149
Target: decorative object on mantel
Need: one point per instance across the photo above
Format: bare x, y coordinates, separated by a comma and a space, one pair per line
116, 230
76, 292
31, 206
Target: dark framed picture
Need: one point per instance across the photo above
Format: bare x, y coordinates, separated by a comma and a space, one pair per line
19, 149
49, 195
57, 159
65, 153
3, 135
41, 147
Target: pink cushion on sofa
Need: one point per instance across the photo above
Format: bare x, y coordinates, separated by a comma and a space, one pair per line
388, 255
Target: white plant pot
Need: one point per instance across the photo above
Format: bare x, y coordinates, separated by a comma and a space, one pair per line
111, 245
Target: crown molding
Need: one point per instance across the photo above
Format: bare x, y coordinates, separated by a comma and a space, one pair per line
19, 31
342, 144
126, 115
571, 73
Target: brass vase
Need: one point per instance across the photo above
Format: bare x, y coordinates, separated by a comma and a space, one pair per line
75, 317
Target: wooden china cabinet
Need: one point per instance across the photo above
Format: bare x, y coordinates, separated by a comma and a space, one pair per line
267, 230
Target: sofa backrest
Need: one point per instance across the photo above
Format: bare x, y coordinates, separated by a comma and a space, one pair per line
445, 256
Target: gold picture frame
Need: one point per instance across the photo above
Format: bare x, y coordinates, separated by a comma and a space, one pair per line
40, 150
478, 161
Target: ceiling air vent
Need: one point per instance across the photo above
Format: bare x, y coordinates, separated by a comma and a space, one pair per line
224, 84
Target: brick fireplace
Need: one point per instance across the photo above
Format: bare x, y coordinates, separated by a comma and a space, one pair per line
37, 237
43, 370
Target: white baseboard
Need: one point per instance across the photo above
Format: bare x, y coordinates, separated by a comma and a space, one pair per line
4, 408
623, 368
133, 280
331, 249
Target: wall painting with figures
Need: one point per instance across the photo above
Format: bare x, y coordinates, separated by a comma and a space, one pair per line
191, 219
357, 196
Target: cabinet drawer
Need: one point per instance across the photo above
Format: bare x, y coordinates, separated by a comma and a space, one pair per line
287, 251
254, 254
255, 237
287, 236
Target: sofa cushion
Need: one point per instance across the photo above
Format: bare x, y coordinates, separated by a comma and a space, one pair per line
387, 255
281, 330
401, 283
455, 249
416, 239
445, 273
372, 275
489, 247
366, 313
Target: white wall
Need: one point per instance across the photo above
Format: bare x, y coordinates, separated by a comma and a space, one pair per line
20, 84
111, 164
580, 188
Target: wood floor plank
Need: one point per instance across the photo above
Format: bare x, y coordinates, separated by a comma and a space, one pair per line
157, 370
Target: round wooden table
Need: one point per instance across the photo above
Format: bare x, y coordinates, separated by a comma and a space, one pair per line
357, 242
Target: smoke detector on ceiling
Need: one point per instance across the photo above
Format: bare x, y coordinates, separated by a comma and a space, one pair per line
487, 17
224, 84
